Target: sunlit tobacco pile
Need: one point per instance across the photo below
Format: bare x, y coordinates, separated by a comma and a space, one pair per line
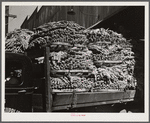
105, 53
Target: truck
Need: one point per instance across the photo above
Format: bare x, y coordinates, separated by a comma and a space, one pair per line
30, 88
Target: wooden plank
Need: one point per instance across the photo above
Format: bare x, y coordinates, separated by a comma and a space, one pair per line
104, 42
62, 99
48, 89
59, 71
61, 43
97, 97
69, 90
79, 71
108, 62
70, 71
106, 90
57, 43
101, 103
61, 107
91, 97
105, 96
129, 94
90, 104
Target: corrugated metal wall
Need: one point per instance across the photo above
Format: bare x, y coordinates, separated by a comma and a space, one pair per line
85, 15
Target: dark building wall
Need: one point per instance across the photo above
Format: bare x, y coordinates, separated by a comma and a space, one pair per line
85, 15
31, 22
129, 22
25, 23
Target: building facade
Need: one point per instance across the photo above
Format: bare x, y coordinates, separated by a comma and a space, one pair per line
83, 15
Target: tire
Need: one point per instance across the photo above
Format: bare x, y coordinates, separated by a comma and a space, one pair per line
123, 111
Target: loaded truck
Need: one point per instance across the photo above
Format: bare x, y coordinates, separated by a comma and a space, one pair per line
62, 66
28, 88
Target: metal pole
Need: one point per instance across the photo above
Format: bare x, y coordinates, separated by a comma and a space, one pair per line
7, 15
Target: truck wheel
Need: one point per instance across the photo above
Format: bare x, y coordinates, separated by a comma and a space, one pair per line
123, 111
11, 110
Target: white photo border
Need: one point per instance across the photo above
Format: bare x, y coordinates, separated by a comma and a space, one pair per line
100, 117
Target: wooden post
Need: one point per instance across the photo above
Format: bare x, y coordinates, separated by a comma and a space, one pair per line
48, 89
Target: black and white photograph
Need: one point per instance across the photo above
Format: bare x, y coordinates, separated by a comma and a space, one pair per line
75, 61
